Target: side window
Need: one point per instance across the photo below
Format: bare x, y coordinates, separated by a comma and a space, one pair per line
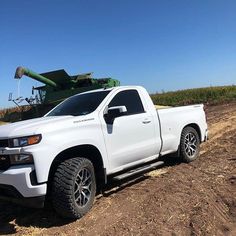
130, 99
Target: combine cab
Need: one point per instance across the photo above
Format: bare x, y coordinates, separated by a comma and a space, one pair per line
58, 85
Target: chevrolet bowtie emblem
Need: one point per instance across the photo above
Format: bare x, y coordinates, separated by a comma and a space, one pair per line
2, 158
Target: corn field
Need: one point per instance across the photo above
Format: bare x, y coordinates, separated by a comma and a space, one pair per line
7, 111
209, 95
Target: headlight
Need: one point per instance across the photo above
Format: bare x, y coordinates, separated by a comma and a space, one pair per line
21, 159
25, 141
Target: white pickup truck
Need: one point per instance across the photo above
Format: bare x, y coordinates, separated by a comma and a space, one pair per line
108, 133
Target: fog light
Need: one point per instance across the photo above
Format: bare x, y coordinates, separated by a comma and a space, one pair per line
21, 159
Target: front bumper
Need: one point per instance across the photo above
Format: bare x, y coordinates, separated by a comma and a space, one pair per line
19, 178
9, 194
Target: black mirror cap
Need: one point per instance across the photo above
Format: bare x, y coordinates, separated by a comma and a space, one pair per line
114, 112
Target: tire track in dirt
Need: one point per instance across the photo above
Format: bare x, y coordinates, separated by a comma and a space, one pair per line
219, 123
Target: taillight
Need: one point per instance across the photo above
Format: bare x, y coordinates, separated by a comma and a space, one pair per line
204, 108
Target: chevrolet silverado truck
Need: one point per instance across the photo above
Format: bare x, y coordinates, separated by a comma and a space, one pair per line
71, 152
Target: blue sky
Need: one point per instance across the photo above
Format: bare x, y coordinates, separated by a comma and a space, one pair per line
160, 44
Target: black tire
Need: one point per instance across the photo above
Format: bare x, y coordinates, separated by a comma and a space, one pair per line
189, 144
74, 188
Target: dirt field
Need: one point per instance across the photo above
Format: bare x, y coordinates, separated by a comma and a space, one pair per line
2, 123
178, 199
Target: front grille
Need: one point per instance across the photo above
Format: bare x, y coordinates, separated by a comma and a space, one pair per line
4, 162
4, 143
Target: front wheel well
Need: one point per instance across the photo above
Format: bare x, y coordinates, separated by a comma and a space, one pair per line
87, 151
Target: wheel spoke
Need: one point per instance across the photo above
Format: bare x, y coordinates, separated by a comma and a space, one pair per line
85, 198
76, 191
191, 137
78, 198
186, 149
81, 200
87, 187
76, 185
193, 150
187, 138
189, 152
82, 174
87, 180
85, 173
82, 187
194, 143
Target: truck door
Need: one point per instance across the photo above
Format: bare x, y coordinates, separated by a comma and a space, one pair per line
131, 137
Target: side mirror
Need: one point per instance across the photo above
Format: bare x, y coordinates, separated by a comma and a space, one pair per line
114, 112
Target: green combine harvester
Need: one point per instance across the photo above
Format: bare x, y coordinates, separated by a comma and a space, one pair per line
58, 85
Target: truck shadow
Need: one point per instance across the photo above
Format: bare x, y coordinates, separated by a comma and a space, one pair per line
117, 186
13, 216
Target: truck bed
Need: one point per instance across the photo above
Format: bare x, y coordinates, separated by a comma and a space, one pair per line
173, 120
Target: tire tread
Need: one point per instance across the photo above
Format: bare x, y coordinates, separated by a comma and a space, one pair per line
62, 188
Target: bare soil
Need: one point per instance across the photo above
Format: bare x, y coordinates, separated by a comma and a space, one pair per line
178, 199
2, 123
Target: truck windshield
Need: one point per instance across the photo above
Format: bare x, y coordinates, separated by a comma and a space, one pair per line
78, 105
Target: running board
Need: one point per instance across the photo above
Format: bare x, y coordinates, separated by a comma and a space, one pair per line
139, 170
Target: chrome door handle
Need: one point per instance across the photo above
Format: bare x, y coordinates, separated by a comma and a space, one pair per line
146, 121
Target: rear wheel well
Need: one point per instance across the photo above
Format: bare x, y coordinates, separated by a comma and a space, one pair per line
87, 151
196, 127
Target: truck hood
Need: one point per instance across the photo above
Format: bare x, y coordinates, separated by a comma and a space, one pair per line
32, 126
